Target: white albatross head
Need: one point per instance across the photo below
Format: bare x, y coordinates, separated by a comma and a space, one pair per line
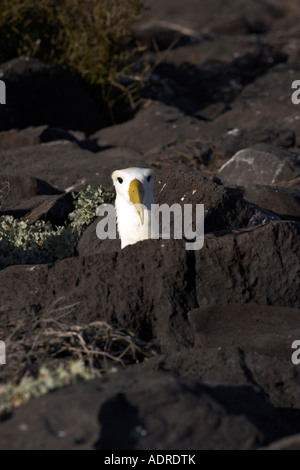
134, 196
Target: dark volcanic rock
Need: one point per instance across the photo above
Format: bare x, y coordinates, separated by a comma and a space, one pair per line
195, 154
232, 18
38, 93
253, 109
55, 210
293, 185
273, 374
89, 243
65, 164
250, 327
160, 293
223, 211
262, 164
286, 443
15, 138
153, 126
15, 189
163, 34
282, 201
204, 79
138, 410
32, 136
258, 265
22, 208
221, 320
240, 138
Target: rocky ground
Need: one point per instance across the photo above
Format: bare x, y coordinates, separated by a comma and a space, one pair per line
206, 335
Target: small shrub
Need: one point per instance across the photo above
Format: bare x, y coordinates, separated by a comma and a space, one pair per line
47, 380
47, 353
86, 203
90, 38
22, 243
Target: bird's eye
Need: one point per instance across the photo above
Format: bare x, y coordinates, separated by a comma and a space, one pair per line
148, 178
120, 180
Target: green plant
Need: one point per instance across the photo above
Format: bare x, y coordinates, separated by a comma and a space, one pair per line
90, 38
46, 381
47, 353
24, 243
86, 203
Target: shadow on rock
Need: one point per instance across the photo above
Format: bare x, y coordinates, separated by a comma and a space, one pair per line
120, 424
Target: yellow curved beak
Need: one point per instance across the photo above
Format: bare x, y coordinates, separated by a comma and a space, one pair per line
136, 196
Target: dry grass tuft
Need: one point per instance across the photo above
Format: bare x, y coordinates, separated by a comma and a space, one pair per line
46, 353
90, 38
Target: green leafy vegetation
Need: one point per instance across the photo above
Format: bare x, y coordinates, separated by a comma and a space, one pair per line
46, 354
86, 203
90, 38
46, 381
24, 243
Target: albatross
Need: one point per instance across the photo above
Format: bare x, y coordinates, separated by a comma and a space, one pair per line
134, 196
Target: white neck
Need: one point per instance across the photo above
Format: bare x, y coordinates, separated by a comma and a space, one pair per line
130, 228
